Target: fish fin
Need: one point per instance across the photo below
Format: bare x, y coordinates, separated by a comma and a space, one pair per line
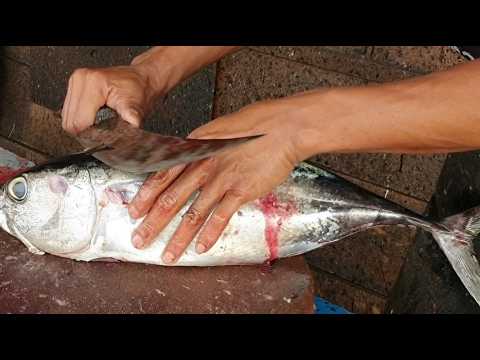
75, 158
458, 244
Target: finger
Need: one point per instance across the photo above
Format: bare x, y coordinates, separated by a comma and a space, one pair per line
169, 203
76, 85
223, 131
192, 221
130, 113
86, 108
76, 88
66, 104
217, 223
151, 188
217, 126
86, 99
233, 125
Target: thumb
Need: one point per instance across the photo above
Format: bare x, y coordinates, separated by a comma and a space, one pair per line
131, 114
228, 126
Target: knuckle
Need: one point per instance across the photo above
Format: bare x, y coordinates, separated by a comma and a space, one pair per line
79, 73
146, 228
219, 218
202, 177
167, 201
204, 170
210, 162
236, 195
94, 75
193, 217
161, 178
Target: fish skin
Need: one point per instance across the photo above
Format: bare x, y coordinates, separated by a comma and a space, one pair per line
89, 220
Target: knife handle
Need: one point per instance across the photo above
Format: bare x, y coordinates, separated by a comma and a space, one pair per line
104, 113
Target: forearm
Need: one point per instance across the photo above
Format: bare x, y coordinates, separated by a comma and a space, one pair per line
176, 63
430, 114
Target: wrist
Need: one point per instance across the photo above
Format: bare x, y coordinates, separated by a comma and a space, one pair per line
321, 124
158, 68
166, 66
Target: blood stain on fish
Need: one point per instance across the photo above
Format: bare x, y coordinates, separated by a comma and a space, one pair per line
116, 196
7, 173
275, 213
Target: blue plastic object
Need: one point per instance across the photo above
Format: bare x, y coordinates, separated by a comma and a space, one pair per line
324, 307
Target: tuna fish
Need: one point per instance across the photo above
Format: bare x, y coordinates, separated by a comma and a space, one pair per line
79, 211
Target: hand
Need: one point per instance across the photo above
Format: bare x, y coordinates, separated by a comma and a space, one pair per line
226, 181
126, 89
132, 90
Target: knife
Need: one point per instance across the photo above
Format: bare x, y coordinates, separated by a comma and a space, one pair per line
122, 146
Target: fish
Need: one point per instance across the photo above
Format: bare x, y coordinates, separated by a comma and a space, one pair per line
79, 211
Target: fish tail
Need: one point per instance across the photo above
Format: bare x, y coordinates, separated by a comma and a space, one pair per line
457, 236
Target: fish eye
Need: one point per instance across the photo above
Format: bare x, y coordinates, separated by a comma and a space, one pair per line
17, 189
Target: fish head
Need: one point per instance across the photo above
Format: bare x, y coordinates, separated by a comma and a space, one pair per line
49, 211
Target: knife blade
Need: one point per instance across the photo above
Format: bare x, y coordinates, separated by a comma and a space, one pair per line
121, 145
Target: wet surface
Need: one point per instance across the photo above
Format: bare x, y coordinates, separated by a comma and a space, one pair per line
50, 285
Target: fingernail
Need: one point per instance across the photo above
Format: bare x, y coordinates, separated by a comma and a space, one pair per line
135, 118
168, 257
133, 212
137, 241
200, 248
201, 137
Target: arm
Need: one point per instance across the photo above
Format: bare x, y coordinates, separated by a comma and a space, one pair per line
177, 63
430, 114
132, 90
434, 113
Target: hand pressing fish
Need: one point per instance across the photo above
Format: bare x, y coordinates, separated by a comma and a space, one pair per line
78, 211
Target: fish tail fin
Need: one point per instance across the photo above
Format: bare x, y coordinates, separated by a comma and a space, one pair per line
458, 239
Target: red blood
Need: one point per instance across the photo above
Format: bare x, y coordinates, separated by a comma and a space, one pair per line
275, 213
7, 173
266, 267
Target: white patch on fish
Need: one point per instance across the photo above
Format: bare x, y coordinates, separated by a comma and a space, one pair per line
58, 184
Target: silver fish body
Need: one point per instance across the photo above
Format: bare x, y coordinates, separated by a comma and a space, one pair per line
79, 212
